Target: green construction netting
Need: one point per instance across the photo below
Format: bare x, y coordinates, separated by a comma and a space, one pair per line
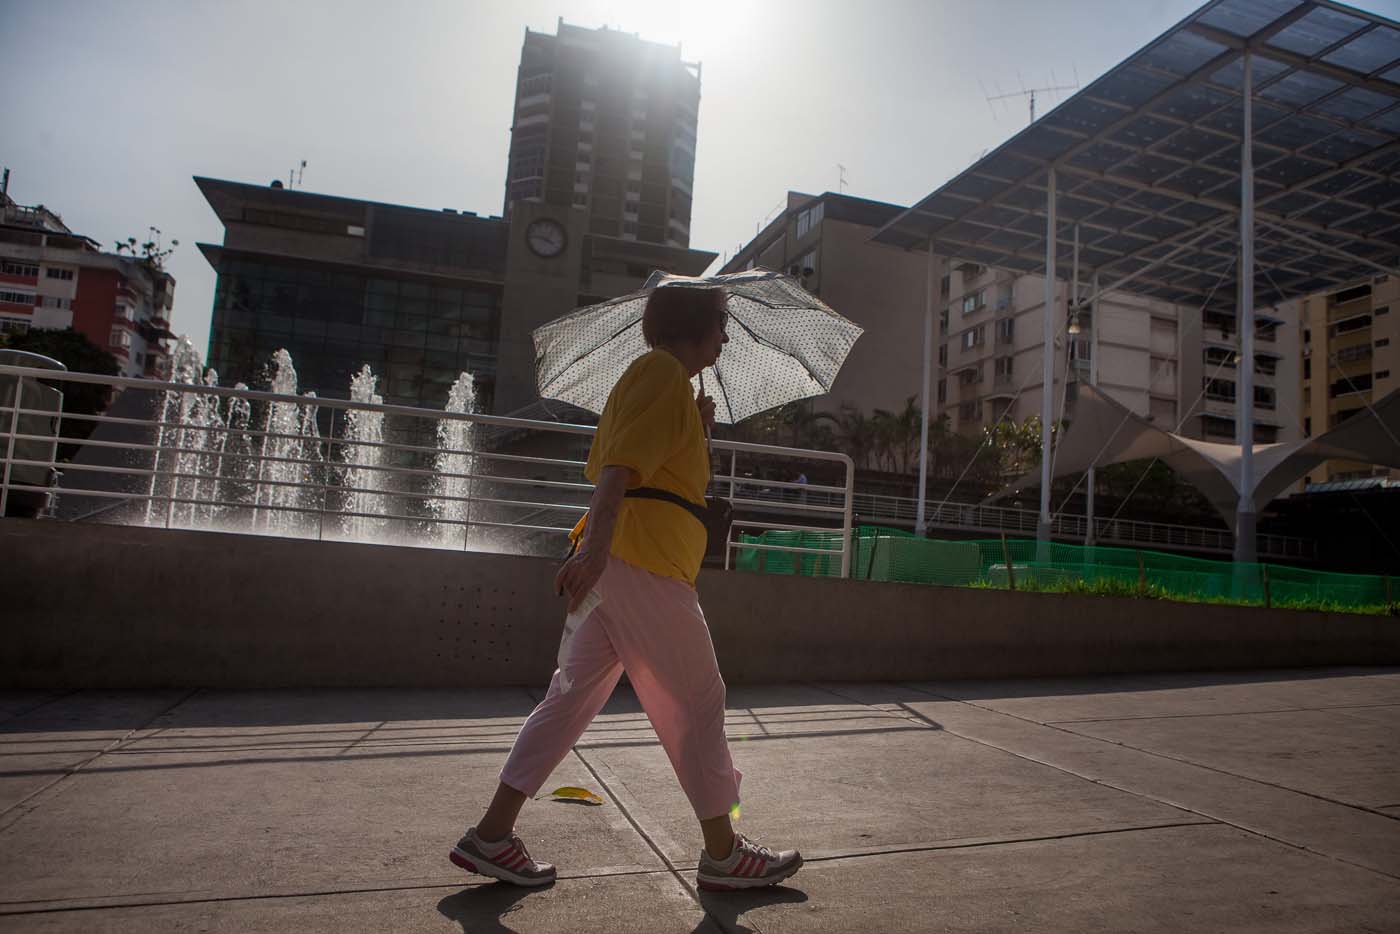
885, 554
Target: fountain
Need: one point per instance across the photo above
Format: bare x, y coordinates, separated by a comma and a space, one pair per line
234, 464
455, 464
360, 452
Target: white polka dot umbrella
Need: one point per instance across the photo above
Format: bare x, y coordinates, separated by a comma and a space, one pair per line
784, 344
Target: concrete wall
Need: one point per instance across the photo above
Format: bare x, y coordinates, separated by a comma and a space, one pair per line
107, 606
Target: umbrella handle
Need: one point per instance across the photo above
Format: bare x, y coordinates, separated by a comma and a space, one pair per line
709, 438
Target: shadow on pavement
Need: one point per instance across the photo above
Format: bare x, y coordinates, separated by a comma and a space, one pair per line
725, 908
481, 908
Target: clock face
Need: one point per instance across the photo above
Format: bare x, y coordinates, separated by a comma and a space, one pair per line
546, 237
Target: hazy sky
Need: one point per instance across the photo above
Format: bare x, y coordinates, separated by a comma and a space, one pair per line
110, 108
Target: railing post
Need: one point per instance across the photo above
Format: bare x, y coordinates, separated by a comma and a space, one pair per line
325, 479
1142, 575
846, 518
1010, 570
1268, 601
10, 445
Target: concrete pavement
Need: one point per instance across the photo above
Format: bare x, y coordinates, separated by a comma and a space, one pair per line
1265, 801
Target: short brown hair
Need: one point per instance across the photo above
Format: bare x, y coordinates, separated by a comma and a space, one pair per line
682, 314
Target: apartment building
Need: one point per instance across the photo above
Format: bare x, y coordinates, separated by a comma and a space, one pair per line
1166, 362
605, 123
54, 278
1350, 358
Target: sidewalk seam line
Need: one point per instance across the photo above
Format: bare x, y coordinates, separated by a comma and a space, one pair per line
72, 770
1139, 794
214, 900
1170, 758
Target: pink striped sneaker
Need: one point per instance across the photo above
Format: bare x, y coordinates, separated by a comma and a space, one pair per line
749, 866
505, 859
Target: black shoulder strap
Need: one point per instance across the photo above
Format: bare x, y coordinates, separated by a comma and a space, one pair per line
666, 496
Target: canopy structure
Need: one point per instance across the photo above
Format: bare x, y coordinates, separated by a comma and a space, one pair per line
1103, 431
1252, 148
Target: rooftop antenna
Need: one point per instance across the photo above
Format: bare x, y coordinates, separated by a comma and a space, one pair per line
1032, 92
840, 178
294, 176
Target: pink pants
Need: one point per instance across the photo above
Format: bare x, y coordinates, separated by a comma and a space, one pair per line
652, 627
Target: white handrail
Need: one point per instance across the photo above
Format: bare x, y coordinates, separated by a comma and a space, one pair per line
210, 468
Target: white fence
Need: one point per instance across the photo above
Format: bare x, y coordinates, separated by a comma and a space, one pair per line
183, 455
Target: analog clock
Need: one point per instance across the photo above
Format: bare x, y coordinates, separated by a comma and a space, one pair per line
546, 237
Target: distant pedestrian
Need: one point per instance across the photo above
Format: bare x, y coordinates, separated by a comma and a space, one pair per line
802, 494
633, 607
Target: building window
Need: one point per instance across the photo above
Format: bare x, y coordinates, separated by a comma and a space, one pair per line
1307, 427
580, 199
970, 376
974, 302
11, 326
942, 390
53, 301
942, 354
970, 412
1004, 367
17, 298
1307, 368
125, 312
807, 220
55, 273
1383, 310
974, 337
1264, 397
1221, 390
1383, 342
1006, 331
1351, 324
1382, 374
121, 337
21, 269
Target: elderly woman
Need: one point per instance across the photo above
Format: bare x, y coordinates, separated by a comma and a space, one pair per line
635, 564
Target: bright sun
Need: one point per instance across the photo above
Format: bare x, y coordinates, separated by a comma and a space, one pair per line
703, 30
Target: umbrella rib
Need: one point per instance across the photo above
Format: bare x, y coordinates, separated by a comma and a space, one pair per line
612, 337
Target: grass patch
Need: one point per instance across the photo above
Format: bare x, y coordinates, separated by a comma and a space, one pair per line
1110, 587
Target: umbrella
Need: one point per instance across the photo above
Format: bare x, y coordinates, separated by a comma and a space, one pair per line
784, 344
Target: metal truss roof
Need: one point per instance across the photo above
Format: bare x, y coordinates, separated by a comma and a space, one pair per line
1147, 162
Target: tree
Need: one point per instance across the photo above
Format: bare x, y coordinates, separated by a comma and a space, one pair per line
150, 251
80, 355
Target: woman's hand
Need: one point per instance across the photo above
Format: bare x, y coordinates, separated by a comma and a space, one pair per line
707, 411
580, 574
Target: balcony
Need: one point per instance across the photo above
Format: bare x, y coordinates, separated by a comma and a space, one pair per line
1221, 406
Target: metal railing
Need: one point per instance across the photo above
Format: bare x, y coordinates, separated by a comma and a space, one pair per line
183, 455
971, 517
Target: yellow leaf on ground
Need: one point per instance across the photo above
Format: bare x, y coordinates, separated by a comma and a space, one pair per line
570, 793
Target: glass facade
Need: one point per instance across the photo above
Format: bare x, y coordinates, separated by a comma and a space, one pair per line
416, 335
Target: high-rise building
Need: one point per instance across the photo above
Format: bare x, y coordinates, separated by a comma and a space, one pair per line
1350, 359
605, 123
53, 278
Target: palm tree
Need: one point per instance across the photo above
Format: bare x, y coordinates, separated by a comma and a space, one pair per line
855, 433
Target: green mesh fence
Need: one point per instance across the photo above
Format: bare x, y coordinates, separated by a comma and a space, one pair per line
885, 554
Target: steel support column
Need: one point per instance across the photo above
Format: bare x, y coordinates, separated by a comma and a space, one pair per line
920, 527
1245, 536
1047, 407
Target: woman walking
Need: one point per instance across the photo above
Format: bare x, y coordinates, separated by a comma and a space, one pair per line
635, 564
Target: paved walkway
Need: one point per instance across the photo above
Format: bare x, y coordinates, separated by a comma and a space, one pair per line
1263, 801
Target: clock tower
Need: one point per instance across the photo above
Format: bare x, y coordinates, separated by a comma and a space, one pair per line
542, 279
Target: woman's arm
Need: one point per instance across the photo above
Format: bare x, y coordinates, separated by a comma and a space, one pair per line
583, 569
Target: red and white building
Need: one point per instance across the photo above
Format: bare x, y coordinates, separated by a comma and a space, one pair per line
52, 278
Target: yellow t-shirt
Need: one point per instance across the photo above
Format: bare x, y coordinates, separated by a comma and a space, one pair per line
652, 425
